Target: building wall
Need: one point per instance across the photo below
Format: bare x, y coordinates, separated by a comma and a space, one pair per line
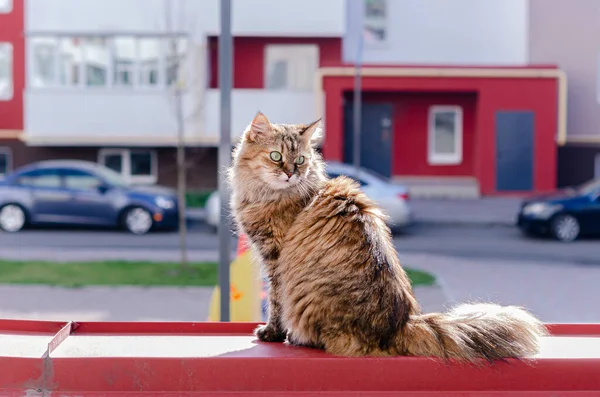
249, 17
567, 33
493, 94
578, 163
457, 32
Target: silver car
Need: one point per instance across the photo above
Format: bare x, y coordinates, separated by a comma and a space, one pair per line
392, 198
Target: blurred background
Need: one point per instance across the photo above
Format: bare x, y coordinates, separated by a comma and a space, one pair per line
479, 133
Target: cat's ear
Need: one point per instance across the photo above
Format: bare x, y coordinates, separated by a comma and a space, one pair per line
313, 132
259, 128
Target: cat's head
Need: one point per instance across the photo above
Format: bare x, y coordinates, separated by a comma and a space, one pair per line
282, 156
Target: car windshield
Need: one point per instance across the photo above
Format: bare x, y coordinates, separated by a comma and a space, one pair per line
589, 187
112, 177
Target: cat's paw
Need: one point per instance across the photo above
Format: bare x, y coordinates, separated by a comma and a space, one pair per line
267, 333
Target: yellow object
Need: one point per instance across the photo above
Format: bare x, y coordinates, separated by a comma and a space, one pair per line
245, 292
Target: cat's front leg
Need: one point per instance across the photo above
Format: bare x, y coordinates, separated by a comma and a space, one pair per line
273, 331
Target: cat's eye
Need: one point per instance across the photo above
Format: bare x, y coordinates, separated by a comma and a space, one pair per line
275, 156
300, 160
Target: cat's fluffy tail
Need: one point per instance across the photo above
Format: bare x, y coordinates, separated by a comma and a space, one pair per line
471, 332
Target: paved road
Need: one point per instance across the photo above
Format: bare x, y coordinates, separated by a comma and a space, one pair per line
477, 242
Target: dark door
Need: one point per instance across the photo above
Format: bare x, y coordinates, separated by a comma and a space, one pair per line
89, 203
375, 137
514, 151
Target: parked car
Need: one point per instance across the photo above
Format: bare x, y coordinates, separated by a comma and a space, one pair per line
392, 198
566, 214
77, 192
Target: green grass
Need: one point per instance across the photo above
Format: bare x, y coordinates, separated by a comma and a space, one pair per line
196, 199
78, 274
418, 277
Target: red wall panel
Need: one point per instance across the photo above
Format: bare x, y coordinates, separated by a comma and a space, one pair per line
409, 152
249, 57
11, 31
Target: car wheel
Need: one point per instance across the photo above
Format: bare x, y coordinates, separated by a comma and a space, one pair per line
12, 218
565, 228
138, 220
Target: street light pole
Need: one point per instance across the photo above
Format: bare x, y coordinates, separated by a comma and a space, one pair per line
225, 83
357, 106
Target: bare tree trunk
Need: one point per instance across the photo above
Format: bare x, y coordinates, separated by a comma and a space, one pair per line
181, 166
181, 183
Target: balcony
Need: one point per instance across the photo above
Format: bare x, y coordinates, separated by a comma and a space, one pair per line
146, 117
103, 117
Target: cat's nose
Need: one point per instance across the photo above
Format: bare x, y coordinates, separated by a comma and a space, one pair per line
288, 173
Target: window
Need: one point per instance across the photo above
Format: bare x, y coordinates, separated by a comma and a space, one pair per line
6, 73
70, 61
5, 161
291, 67
176, 51
124, 60
96, 53
135, 165
80, 180
149, 53
375, 22
48, 178
445, 135
6, 6
44, 65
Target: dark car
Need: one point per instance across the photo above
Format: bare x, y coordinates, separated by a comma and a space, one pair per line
566, 214
76, 192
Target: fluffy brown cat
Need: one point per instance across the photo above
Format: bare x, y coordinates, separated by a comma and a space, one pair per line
336, 282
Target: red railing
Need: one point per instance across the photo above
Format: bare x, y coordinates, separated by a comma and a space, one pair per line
168, 359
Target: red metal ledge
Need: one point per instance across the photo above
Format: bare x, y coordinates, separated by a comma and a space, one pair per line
168, 359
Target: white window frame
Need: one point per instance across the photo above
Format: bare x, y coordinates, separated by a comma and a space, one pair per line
455, 158
7, 9
6, 151
126, 162
294, 55
8, 48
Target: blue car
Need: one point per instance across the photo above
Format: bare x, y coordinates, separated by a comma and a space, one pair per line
73, 192
566, 215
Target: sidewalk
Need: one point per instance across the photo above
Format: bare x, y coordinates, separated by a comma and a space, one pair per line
490, 211
555, 292
98, 303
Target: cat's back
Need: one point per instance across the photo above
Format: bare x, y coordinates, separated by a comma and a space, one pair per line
340, 221
340, 271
